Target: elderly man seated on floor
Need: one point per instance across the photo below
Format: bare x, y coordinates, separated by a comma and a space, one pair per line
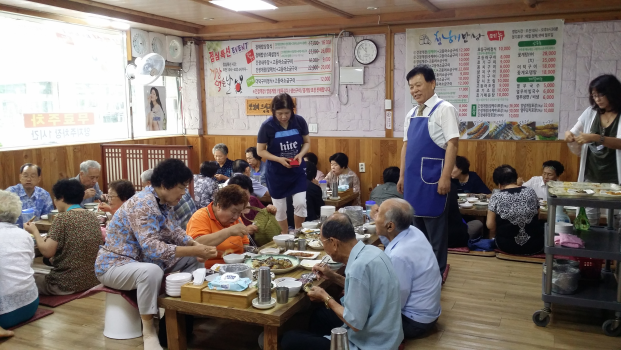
415, 264
370, 310
90, 171
30, 194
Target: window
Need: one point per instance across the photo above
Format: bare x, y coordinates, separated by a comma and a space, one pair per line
60, 83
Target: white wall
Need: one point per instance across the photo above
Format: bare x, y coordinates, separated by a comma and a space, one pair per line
191, 90
589, 50
362, 115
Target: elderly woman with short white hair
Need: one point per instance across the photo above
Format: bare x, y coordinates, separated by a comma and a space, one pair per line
19, 297
221, 155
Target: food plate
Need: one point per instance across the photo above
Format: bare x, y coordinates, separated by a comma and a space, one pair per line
308, 264
269, 251
315, 244
257, 262
282, 279
302, 254
571, 192
311, 230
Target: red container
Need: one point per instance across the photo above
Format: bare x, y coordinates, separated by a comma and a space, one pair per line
294, 163
590, 269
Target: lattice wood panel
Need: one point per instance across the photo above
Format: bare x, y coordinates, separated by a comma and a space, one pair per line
129, 161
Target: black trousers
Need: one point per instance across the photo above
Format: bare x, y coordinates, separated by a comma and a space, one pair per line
322, 322
436, 231
414, 330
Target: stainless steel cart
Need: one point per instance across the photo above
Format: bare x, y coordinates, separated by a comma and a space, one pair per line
600, 243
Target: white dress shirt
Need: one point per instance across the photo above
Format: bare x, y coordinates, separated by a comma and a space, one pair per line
443, 124
537, 184
418, 273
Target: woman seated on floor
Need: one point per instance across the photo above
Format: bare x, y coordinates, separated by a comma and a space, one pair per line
71, 244
338, 167
205, 184
219, 224
245, 183
467, 181
118, 193
513, 215
144, 242
460, 231
19, 297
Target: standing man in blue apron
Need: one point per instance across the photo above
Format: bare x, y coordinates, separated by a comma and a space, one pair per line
283, 139
427, 159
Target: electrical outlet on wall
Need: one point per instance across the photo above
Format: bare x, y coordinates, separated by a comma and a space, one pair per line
361, 167
312, 127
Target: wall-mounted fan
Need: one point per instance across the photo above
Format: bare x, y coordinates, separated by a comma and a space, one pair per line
174, 49
147, 69
140, 42
157, 42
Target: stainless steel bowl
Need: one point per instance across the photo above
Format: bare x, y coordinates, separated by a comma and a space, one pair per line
52, 215
242, 270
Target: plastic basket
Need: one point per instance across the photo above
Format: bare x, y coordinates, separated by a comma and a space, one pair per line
590, 269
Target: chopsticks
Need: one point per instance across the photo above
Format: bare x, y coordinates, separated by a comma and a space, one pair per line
31, 219
312, 275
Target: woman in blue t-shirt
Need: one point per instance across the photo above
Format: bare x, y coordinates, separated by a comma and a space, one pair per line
282, 139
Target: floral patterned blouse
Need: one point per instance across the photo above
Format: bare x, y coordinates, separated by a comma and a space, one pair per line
142, 230
205, 188
79, 237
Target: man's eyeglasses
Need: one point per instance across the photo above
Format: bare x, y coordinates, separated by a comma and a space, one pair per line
29, 177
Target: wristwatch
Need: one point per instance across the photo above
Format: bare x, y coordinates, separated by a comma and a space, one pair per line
327, 301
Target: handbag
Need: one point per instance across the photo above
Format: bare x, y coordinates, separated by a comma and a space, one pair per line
267, 224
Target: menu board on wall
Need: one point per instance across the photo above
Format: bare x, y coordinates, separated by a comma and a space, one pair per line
267, 67
503, 79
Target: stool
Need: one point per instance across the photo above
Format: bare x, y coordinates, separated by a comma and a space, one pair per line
122, 319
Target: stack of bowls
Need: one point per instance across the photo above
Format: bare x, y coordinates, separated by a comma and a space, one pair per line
175, 281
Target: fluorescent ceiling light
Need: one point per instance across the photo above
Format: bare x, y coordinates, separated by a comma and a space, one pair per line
244, 5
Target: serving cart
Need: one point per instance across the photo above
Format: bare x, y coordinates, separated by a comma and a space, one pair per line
601, 242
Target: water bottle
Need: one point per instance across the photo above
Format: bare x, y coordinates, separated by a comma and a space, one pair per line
27, 214
582, 221
369, 205
257, 176
561, 216
324, 189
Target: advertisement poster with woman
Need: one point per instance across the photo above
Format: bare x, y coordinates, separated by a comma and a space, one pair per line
155, 107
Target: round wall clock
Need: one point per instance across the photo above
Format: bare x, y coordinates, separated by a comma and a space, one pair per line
365, 51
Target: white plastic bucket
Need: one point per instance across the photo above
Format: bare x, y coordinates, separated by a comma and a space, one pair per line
122, 319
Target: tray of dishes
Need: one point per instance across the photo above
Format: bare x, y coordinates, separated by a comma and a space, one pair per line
302, 254
277, 263
584, 189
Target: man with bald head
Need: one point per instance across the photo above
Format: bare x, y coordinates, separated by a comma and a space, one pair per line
370, 310
415, 265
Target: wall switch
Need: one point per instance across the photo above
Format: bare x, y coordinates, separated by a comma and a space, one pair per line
361, 167
312, 128
387, 104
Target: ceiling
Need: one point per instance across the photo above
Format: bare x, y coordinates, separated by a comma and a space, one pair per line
199, 18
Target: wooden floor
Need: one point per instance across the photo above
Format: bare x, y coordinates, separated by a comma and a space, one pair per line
487, 303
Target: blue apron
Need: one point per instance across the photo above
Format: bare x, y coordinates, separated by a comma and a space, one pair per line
283, 182
423, 167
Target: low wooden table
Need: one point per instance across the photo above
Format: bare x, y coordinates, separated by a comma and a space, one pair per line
347, 197
43, 225
270, 319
